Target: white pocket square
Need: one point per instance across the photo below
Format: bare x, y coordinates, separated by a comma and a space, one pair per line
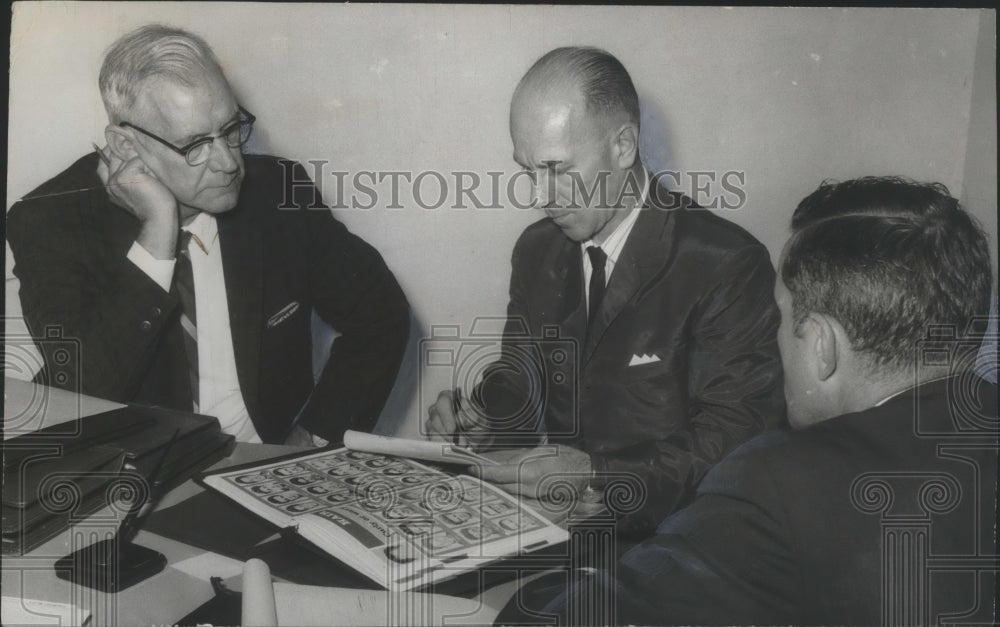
638, 360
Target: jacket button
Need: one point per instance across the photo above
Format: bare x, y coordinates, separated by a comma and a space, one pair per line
156, 312
146, 325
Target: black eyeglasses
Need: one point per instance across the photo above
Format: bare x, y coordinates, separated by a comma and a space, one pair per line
196, 153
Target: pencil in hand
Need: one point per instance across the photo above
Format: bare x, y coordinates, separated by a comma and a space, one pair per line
100, 153
456, 407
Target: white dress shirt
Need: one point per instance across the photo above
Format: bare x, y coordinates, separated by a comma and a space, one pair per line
219, 391
909, 389
613, 244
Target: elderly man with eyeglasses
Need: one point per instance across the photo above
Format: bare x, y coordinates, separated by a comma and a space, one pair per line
187, 271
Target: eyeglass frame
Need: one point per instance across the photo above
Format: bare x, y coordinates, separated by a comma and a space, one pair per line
246, 118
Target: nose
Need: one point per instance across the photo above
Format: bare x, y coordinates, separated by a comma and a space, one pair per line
543, 188
222, 159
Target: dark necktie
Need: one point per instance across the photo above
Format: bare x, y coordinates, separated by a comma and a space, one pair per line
189, 320
597, 279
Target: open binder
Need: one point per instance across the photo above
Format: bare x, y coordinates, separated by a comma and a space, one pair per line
400, 523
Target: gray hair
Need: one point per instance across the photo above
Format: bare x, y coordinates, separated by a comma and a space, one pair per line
151, 51
602, 79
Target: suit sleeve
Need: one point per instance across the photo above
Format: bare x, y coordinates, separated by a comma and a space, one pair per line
728, 558
356, 293
734, 387
77, 293
505, 392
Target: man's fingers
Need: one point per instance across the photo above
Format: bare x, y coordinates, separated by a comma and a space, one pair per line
114, 162
509, 469
441, 420
499, 474
103, 172
132, 171
466, 421
507, 456
436, 431
515, 487
469, 416
510, 488
433, 424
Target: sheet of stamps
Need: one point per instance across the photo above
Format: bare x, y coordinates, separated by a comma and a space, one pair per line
381, 500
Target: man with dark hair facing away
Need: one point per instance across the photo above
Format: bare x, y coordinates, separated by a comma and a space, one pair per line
880, 506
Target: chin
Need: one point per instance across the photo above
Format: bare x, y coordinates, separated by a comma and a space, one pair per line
219, 204
574, 232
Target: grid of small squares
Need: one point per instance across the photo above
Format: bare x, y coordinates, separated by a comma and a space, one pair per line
441, 514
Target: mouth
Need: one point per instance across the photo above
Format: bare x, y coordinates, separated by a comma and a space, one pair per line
231, 183
560, 218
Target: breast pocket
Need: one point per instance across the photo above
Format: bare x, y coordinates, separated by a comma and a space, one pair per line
642, 372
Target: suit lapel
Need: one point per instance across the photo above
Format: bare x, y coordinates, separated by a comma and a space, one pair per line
645, 253
240, 238
624, 283
561, 294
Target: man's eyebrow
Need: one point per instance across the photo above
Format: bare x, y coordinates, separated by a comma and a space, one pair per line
548, 164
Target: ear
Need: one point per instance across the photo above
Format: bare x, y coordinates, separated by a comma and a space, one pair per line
824, 344
120, 142
626, 145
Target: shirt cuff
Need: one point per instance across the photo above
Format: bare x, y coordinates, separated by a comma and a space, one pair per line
160, 270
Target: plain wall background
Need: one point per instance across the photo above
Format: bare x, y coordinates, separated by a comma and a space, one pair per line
787, 96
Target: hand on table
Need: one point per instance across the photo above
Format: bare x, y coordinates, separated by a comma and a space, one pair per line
301, 437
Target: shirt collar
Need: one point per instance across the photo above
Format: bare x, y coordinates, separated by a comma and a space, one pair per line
910, 389
204, 231
613, 243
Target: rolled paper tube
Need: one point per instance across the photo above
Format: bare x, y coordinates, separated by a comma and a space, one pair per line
258, 595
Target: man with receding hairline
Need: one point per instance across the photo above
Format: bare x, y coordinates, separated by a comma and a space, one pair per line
880, 506
166, 256
668, 306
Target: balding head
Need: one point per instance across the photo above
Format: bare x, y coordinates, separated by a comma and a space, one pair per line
588, 75
574, 122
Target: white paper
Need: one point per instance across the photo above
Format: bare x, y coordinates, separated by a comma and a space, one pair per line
208, 565
18, 611
441, 452
316, 605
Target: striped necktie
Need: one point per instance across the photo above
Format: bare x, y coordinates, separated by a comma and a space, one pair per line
189, 320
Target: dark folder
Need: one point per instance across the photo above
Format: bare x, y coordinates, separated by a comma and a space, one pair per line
59, 475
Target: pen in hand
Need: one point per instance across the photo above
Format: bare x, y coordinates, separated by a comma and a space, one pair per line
456, 406
100, 153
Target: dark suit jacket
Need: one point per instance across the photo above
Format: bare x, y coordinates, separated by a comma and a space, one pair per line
689, 287
885, 516
70, 243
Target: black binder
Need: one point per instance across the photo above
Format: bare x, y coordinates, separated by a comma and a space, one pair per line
59, 475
